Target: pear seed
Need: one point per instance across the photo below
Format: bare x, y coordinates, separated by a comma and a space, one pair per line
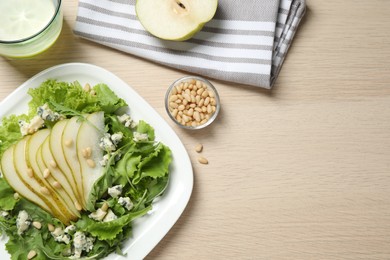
88, 151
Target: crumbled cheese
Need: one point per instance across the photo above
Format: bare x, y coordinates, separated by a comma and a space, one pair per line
81, 243
98, 215
60, 236
126, 202
126, 120
110, 216
117, 138
30, 128
4, 214
47, 114
23, 221
139, 137
106, 143
104, 160
70, 229
115, 191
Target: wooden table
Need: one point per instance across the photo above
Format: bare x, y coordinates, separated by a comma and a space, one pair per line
299, 172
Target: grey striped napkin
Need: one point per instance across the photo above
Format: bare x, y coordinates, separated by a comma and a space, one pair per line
246, 42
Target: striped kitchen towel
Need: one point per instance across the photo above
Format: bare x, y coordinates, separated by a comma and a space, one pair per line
246, 41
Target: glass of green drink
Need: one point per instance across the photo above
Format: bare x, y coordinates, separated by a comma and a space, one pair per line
28, 27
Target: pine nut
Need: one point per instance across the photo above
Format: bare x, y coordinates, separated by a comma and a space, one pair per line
174, 112
173, 98
46, 173
197, 116
173, 105
91, 163
205, 94
104, 206
181, 107
77, 206
16, 196
87, 87
203, 160
53, 164
37, 224
206, 101
50, 227
30, 173
31, 254
89, 151
45, 191
57, 185
68, 143
198, 148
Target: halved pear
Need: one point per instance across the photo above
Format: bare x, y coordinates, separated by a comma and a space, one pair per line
32, 151
69, 139
14, 180
176, 20
57, 151
90, 132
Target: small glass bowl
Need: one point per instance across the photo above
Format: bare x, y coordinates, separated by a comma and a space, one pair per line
188, 104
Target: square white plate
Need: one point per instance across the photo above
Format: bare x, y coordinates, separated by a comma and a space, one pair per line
151, 228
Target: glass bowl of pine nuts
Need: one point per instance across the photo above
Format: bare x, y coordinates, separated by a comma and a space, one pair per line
192, 102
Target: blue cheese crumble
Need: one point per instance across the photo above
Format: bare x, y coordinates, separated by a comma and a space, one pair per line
23, 221
31, 127
60, 236
47, 114
110, 216
115, 191
81, 243
127, 121
126, 202
139, 137
109, 142
98, 215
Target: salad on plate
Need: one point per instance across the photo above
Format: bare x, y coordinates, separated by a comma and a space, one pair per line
76, 170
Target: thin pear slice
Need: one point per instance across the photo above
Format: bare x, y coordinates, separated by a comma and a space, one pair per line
69, 139
55, 145
28, 177
44, 158
89, 135
32, 148
14, 180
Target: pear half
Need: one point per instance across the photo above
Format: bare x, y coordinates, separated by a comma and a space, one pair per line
176, 20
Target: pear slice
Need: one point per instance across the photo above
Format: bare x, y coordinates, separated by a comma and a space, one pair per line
69, 139
176, 20
57, 151
33, 146
44, 158
37, 186
89, 135
14, 180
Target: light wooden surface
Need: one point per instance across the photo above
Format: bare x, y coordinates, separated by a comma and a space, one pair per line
299, 172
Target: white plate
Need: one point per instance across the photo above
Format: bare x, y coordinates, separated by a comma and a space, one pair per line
150, 229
